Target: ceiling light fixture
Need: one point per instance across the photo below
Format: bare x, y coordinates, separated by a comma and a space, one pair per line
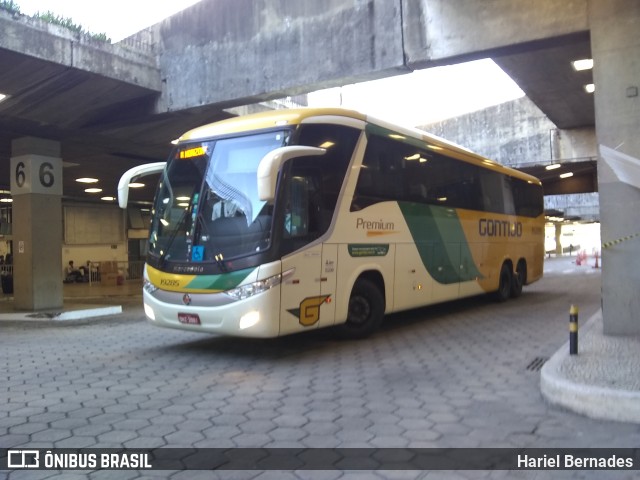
583, 64
566, 175
590, 88
136, 185
87, 180
92, 190
108, 199
3, 97
553, 166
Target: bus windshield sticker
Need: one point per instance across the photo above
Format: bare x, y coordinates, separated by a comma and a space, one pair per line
197, 253
368, 250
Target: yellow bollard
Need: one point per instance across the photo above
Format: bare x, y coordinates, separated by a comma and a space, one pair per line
573, 330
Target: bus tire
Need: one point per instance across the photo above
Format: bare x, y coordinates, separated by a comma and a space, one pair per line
366, 310
504, 284
519, 279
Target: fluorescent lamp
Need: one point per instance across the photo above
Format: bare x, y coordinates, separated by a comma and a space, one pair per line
566, 175
136, 185
590, 88
93, 190
2, 96
108, 199
87, 180
553, 166
584, 64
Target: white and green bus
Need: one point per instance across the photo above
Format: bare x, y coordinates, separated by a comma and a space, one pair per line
291, 220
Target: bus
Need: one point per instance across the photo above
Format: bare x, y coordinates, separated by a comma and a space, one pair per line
291, 220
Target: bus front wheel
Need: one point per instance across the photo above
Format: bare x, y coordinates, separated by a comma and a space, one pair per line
366, 310
505, 283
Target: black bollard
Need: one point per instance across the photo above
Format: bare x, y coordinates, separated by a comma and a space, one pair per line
573, 330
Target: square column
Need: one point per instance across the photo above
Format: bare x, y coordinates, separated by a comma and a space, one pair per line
615, 45
36, 188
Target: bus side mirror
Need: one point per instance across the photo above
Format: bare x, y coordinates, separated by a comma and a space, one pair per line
270, 166
139, 171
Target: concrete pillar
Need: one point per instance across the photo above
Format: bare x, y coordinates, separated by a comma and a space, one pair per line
36, 187
615, 45
558, 238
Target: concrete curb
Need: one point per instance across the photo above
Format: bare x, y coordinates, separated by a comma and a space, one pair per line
571, 382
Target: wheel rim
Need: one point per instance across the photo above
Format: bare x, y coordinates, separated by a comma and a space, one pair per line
519, 279
359, 310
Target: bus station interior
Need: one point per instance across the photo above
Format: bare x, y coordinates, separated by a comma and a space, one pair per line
473, 373
94, 111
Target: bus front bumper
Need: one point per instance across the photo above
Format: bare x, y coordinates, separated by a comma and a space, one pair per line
256, 316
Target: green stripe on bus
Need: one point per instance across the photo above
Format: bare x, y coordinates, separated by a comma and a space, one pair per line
440, 241
224, 281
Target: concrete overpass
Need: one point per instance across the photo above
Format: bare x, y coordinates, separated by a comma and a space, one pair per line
111, 107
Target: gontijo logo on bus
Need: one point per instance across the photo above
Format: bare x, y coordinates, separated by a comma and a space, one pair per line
499, 228
375, 227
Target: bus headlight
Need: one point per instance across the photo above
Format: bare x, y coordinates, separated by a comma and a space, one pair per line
248, 320
149, 312
148, 286
251, 289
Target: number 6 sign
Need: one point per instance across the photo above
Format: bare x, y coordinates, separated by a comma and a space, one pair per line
36, 174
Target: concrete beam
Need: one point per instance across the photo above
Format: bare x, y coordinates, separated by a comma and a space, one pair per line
226, 53
230, 52
58, 45
438, 32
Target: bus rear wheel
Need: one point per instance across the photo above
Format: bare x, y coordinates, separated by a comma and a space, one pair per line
366, 310
519, 279
505, 283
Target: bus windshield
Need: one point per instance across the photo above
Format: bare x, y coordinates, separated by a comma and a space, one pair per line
207, 206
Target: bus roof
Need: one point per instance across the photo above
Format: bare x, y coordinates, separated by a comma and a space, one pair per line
274, 118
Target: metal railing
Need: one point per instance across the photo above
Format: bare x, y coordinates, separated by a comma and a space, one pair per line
125, 271
110, 272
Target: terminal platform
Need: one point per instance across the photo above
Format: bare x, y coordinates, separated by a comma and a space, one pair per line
80, 301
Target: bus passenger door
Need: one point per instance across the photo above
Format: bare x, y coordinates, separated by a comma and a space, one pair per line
328, 281
301, 300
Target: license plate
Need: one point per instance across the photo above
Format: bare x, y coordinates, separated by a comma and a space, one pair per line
189, 318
